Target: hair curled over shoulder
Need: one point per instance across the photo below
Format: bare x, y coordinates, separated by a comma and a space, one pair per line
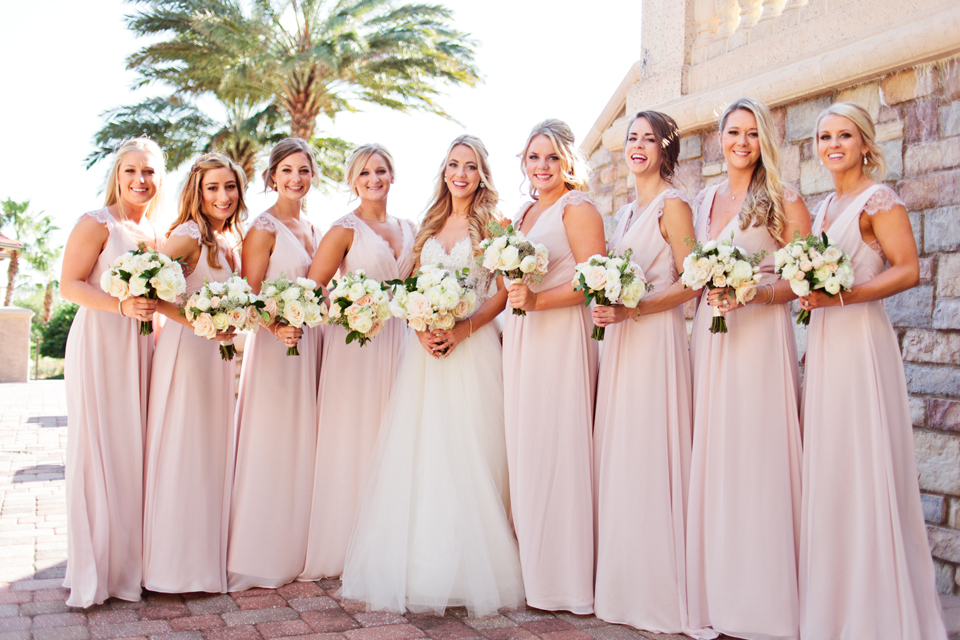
667, 134
483, 208
572, 164
283, 149
191, 203
112, 185
358, 160
876, 165
764, 202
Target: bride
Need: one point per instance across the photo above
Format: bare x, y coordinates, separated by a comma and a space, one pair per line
432, 530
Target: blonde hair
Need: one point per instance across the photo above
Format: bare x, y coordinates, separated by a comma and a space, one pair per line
876, 165
112, 186
572, 164
763, 204
283, 149
358, 160
191, 203
483, 207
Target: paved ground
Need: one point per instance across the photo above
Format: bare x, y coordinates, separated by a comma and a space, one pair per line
33, 551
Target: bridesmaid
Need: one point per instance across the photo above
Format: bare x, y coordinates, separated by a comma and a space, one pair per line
744, 507
367, 238
277, 406
190, 446
865, 567
107, 376
549, 378
642, 460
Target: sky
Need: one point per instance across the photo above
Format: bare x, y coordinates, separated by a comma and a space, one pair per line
62, 64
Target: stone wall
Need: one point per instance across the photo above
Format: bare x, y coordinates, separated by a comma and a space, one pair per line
918, 116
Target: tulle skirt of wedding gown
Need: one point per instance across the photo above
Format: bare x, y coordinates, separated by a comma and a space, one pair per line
432, 531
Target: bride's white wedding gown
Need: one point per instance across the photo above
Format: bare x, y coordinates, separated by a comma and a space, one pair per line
432, 530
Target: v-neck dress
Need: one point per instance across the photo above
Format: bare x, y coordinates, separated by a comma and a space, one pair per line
865, 566
354, 389
189, 451
743, 518
642, 436
549, 379
276, 431
107, 374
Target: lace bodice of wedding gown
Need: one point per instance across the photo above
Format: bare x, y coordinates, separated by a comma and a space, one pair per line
460, 257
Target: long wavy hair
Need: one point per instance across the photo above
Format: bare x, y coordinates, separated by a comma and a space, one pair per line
112, 186
572, 165
482, 210
191, 203
876, 165
763, 205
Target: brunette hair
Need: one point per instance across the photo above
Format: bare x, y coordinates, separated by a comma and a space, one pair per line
191, 203
483, 208
283, 149
667, 134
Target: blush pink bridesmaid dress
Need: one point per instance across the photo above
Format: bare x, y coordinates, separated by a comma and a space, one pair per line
189, 451
549, 379
641, 442
865, 566
276, 431
354, 390
743, 518
107, 374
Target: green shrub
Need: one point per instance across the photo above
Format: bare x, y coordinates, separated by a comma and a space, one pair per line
54, 334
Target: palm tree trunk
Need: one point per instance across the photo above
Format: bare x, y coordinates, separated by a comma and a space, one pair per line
47, 301
12, 276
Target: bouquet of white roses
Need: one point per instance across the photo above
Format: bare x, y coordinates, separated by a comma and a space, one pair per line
292, 303
432, 298
144, 273
722, 265
220, 306
813, 263
507, 252
360, 305
610, 280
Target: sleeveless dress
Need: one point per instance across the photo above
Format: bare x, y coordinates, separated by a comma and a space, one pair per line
431, 530
107, 373
743, 517
276, 432
549, 379
189, 451
642, 436
354, 390
865, 567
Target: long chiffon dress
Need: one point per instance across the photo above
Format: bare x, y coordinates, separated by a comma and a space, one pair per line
107, 375
276, 431
431, 530
642, 436
743, 518
189, 451
865, 567
549, 379
354, 390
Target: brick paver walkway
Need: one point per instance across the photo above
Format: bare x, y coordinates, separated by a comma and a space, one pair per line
33, 552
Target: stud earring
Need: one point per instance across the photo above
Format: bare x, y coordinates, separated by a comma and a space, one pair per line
482, 185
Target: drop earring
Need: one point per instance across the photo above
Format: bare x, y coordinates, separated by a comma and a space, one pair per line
864, 159
482, 185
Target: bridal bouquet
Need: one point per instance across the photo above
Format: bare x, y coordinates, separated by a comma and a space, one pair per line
813, 263
144, 273
220, 306
610, 280
292, 303
360, 305
507, 252
432, 298
722, 265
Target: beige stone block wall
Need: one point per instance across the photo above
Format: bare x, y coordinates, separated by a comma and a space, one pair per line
918, 115
15, 344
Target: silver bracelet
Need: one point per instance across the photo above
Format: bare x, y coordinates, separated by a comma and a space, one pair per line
120, 308
773, 294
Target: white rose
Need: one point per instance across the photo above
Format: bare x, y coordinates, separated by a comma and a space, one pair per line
168, 286
306, 283
361, 322
797, 251
426, 280
106, 278
291, 294
270, 292
800, 287
500, 243
418, 305
449, 299
397, 310
138, 286
293, 313
542, 257
832, 254
216, 288
612, 290
709, 246
370, 285
780, 258
491, 258
471, 299
509, 258
822, 274
789, 271
832, 286
633, 293
220, 322
742, 271
596, 278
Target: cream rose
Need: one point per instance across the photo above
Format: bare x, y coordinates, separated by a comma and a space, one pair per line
417, 323
800, 287
203, 326
509, 258
138, 287
596, 277
542, 257
220, 322
290, 294
361, 322
119, 289
237, 317
742, 271
832, 254
418, 305
632, 294
445, 321
253, 318
270, 306
294, 313
719, 281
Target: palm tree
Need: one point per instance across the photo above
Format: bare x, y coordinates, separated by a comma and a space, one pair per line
32, 230
42, 258
304, 58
